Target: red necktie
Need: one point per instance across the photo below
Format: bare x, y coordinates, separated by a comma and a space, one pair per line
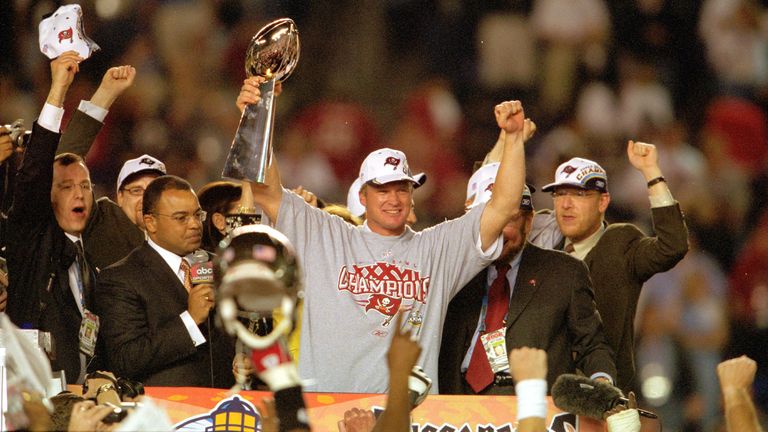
479, 374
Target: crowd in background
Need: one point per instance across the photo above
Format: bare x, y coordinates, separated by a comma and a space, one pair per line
688, 76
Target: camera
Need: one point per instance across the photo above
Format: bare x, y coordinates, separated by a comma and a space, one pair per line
106, 390
19, 134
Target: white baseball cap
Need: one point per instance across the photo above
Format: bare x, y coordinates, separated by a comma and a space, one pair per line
480, 187
385, 166
580, 173
142, 164
353, 195
63, 31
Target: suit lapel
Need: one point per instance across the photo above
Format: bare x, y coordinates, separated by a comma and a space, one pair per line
525, 285
61, 286
161, 274
590, 255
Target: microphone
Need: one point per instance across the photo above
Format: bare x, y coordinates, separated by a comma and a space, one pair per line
201, 272
588, 398
201, 267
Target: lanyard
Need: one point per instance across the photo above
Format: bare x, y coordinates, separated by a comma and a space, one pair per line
80, 289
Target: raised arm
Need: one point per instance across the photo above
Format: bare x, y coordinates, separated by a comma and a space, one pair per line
63, 70
670, 244
32, 196
508, 188
529, 128
87, 121
645, 159
736, 378
268, 196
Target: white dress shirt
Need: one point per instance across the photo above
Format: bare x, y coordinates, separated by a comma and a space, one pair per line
174, 262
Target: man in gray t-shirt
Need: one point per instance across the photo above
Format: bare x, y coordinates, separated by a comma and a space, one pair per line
357, 278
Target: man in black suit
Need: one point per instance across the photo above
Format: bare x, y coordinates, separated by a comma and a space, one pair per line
155, 322
551, 306
51, 283
109, 233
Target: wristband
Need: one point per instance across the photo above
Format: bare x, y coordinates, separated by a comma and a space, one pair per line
656, 180
531, 398
624, 421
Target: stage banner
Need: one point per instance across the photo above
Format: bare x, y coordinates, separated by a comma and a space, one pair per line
201, 409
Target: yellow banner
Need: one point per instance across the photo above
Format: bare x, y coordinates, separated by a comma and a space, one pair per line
194, 409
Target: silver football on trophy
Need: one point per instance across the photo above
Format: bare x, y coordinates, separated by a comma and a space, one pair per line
272, 54
274, 51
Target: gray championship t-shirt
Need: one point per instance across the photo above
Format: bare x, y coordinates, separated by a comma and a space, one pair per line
355, 281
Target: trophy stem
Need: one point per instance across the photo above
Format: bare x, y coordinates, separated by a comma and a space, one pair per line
251, 150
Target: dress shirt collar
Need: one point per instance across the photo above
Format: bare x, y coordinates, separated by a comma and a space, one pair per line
582, 248
173, 260
74, 238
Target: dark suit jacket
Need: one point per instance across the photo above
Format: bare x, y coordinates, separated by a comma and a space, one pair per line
109, 235
619, 264
552, 308
139, 303
39, 256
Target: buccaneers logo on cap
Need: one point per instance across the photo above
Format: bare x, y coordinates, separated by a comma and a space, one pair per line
569, 170
392, 161
147, 161
66, 34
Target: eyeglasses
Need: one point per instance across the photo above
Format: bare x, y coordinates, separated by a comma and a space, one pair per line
135, 191
574, 193
184, 218
68, 187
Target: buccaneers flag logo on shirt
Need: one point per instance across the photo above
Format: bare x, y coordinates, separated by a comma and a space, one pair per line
383, 286
385, 305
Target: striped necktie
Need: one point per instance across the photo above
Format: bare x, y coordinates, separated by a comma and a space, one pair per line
184, 267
